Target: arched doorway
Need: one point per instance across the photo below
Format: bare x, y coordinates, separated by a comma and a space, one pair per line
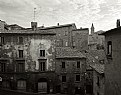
42, 85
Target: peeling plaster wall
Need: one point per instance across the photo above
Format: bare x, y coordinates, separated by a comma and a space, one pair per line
31, 50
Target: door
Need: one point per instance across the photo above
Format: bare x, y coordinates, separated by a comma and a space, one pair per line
42, 87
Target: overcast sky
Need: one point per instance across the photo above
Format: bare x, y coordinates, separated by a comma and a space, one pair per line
103, 13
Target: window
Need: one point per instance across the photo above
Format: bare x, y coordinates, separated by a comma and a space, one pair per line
20, 53
1, 40
98, 79
109, 49
63, 64
42, 53
2, 67
21, 67
66, 33
42, 66
63, 78
66, 43
74, 44
5, 84
20, 40
77, 77
78, 64
21, 85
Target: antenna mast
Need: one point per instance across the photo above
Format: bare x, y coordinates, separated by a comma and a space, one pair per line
34, 13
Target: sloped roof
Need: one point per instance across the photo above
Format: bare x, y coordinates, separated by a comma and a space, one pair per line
67, 52
58, 26
112, 30
93, 60
98, 67
26, 32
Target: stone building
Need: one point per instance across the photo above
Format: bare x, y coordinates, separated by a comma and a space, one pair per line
70, 68
113, 67
29, 62
80, 39
95, 72
26, 60
96, 41
98, 79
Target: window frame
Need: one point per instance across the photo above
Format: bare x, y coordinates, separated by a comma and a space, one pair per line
19, 40
109, 48
42, 66
20, 85
3, 67
2, 40
63, 78
42, 53
77, 76
21, 67
63, 64
21, 53
78, 64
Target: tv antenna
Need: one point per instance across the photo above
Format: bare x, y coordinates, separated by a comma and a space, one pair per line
34, 13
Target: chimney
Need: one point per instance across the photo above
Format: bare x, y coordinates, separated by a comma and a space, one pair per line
34, 26
57, 24
118, 23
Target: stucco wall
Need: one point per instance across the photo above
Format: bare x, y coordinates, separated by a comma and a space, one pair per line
113, 67
31, 50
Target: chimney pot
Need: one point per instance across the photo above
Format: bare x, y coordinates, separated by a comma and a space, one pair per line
118, 23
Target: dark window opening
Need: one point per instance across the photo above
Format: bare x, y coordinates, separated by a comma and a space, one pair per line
2, 67
63, 78
42, 53
42, 66
98, 81
77, 77
20, 53
109, 49
21, 67
20, 40
78, 64
66, 33
63, 64
1, 40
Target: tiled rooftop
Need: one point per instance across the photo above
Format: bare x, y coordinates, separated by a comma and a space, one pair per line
93, 59
67, 52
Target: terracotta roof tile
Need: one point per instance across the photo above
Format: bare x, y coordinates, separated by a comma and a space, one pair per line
67, 52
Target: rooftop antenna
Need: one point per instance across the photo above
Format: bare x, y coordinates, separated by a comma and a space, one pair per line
34, 13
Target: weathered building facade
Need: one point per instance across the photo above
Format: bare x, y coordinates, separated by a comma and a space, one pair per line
95, 72
112, 68
70, 68
29, 58
26, 56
